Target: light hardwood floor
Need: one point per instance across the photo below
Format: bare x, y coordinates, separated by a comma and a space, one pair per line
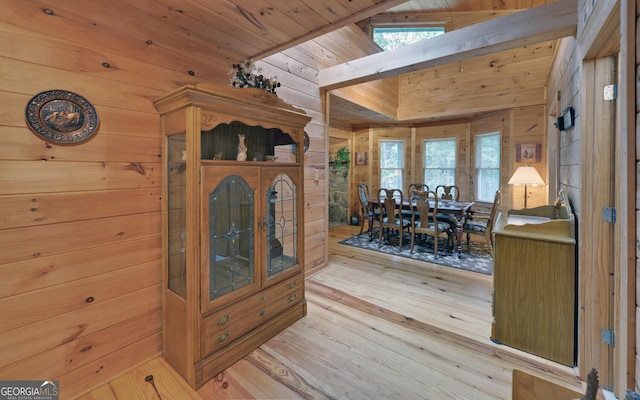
378, 327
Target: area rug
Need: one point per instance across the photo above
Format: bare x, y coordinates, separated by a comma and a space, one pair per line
474, 257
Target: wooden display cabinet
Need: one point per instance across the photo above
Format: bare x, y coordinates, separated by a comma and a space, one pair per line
233, 239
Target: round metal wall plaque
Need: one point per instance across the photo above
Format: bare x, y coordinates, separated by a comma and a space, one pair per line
61, 117
305, 147
306, 142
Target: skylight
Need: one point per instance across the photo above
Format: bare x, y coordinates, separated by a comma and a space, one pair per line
389, 38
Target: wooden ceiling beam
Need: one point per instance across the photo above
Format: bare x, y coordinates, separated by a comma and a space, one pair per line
547, 22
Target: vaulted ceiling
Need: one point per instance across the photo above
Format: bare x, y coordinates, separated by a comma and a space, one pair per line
464, 86
308, 19
241, 29
236, 30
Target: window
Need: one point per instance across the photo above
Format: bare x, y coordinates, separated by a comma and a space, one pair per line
439, 163
393, 37
391, 163
487, 166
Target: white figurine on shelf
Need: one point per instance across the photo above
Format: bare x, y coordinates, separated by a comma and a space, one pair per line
242, 148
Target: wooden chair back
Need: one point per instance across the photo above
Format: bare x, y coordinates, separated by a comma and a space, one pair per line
391, 212
391, 202
448, 192
363, 193
424, 219
417, 187
491, 220
363, 196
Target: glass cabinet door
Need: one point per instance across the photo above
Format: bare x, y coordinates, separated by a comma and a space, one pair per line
282, 221
176, 214
229, 237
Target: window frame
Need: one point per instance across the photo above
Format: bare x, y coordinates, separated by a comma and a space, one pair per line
479, 170
399, 26
424, 161
401, 168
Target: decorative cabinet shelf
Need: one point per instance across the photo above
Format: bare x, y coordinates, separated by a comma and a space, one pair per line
233, 239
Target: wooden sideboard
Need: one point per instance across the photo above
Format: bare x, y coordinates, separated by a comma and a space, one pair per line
535, 278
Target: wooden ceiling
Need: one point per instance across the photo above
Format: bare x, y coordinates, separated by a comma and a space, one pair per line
241, 29
460, 90
205, 37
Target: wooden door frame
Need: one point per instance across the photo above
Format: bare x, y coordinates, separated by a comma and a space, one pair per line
597, 43
596, 237
625, 277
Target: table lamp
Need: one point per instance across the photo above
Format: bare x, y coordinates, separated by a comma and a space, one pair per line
526, 175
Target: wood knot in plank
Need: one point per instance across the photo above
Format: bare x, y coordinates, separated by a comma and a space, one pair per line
135, 166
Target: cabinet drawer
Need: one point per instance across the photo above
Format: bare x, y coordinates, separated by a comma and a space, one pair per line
223, 327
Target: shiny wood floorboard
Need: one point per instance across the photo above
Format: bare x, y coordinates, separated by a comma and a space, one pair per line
378, 327
381, 327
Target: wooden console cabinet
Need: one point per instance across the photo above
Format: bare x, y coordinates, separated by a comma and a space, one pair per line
233, 238
535, 278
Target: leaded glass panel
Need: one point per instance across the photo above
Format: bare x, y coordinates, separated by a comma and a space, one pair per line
231, 236
282, 225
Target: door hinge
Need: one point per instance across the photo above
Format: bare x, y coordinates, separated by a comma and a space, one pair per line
611, 92
609, 214
608, 336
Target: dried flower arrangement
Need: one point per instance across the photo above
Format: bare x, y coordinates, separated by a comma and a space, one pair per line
246, 75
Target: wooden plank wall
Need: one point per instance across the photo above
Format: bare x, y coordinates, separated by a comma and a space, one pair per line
441, 92
80, 232
361, 174
564, 91
80, 225
570, 82
529, 127
636, 339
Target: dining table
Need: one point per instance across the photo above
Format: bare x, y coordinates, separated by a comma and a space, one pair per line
458, 209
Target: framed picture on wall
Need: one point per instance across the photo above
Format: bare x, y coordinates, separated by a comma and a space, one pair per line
527, 153
361, 158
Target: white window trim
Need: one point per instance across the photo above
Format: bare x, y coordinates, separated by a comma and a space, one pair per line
424, 154
402, 159
479, 169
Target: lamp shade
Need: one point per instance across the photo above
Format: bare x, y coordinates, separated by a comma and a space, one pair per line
526, 175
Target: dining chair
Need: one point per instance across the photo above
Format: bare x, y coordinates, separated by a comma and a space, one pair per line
413, 188
391, 218
448, 192
426, 206
363, 196
481, 223
371, 215
418, 187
